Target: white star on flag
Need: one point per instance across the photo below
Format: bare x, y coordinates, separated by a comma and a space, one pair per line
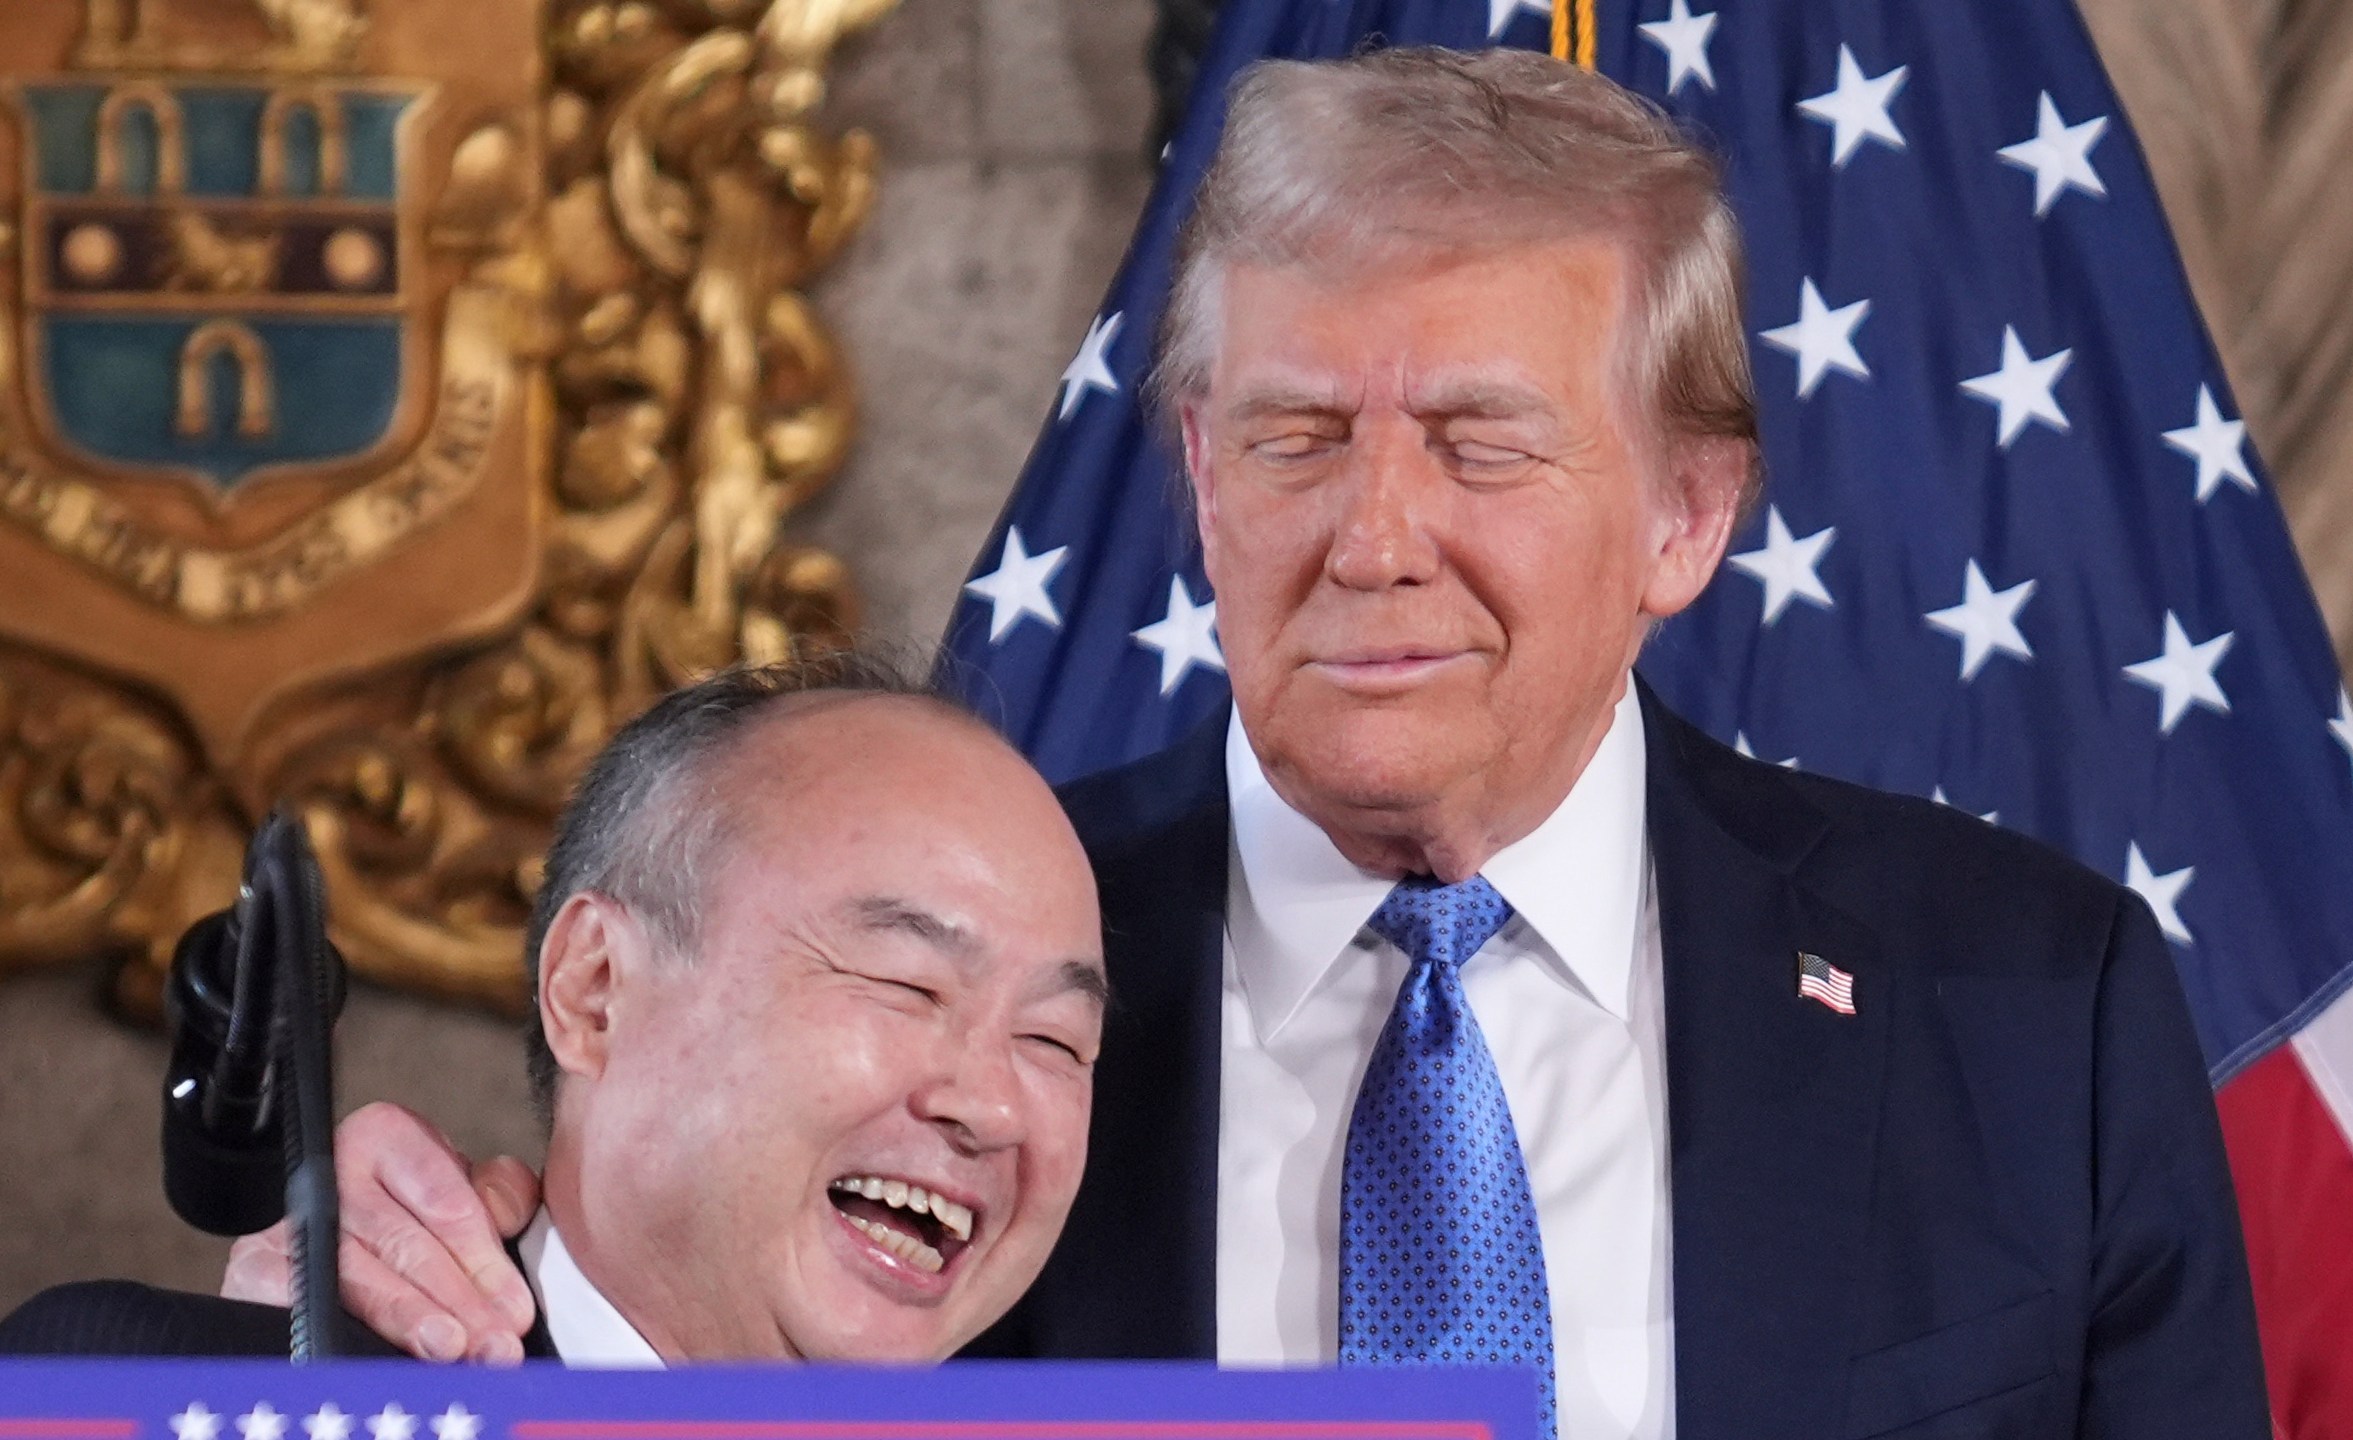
1684, 36
1185, 637
392, 1423
261, 1423
2184, 674
1990, 817
1017, 587
2022, 387
328, 1422
1856, 108
1786, 564
2215, 444
2060, 155
456, 1423
1500, 12
1089, 370
1821, 338
1740, 746
196, 1423
1986, 620
2163, 892
2342, 726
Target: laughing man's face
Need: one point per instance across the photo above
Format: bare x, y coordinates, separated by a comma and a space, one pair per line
852, 1126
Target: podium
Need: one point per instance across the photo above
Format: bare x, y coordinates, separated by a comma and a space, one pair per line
966, 1400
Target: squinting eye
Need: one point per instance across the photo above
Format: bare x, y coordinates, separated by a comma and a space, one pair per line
1064, 1046
1290, 447
1472, 452
903, 986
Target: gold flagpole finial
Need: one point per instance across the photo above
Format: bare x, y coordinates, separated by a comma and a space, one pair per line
1572, 31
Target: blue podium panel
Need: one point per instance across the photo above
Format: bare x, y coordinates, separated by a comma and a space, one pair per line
977, 1400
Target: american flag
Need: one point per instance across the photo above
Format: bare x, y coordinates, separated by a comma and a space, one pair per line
1818, 979
2019, 555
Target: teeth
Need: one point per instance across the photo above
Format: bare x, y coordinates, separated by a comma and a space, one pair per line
900, 1195
904, 1247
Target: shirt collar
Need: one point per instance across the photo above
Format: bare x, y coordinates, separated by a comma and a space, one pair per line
1296, 903
581, 1323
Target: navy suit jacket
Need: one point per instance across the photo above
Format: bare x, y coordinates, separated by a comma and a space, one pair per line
1993, 1202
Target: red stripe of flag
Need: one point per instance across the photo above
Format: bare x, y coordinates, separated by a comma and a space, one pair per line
2294, 1174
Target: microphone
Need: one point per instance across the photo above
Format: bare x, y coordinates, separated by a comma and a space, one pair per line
224, 1153
248, 1101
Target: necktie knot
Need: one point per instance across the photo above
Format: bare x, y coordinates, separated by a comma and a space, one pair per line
1440, 924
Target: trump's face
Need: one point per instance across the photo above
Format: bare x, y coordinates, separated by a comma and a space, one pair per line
1437, 532
852, 1126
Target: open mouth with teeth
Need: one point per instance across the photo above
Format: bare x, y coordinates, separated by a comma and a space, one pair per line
924, 1231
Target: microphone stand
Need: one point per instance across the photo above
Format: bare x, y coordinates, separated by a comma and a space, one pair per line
252, 1071
309, 991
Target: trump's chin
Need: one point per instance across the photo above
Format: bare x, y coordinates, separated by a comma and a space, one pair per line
1380, 779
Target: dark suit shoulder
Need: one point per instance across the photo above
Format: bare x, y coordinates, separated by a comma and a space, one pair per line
122, 1317
1115, 810
1907, 866
1927, 869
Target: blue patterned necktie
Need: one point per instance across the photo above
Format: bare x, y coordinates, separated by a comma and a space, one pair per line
1440, 1261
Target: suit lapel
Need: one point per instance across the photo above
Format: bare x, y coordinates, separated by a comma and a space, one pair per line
1773, 1100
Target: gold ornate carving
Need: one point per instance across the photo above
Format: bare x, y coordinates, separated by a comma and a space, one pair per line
581, 502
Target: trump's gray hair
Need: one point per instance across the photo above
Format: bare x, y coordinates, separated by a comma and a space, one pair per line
1402, 152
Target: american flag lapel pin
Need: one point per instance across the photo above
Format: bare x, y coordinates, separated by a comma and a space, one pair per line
1820, 981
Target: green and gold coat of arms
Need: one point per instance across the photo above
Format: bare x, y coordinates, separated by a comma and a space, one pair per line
392, 400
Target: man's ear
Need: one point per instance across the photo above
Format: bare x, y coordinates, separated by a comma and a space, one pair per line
1201, 475
1706, 479
593, 946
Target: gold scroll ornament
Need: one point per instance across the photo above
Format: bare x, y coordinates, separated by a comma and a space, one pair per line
615, 395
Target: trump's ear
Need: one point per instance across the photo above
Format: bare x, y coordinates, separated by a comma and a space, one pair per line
1709, 475
1201, 476
591, 945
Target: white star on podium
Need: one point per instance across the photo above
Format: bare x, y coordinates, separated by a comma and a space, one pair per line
196, 1423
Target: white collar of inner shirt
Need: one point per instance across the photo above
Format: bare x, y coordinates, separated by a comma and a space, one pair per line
1575, 882
581, 1323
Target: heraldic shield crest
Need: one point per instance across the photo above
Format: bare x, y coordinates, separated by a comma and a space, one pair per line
376, 433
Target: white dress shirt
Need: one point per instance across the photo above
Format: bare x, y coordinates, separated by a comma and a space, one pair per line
1568, 995
585, 1328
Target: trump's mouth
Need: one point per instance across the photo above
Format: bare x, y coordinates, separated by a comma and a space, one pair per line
1387, 669
920, 1228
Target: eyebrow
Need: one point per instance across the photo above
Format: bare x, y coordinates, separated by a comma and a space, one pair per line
1087, 980
885, 912
1479, 400
1287, 400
